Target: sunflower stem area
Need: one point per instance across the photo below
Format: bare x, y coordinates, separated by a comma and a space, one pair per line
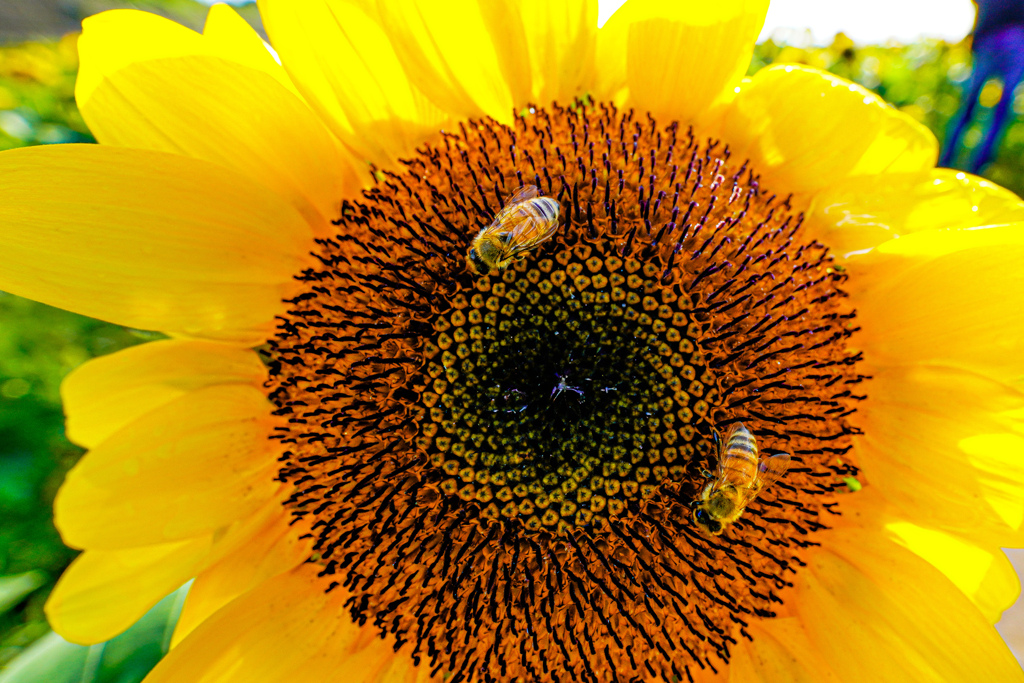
40, 344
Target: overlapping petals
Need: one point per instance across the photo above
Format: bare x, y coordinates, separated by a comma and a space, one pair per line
187, 468
678, 60
892, 626
148, 455
104, 592
193, 220
984, 574
131, 90
346, 67
113, 391
856, 215
470, 57
276, 543
287, 629
562, 39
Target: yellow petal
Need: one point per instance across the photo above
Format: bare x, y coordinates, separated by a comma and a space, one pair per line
202, 107
344, 64
928, 447
468, 56
137, 69
273, 548
778, 651
679, 58
857, 214
151, 36
876, 612
131, 94
104, 592
805, 130
984, 575
365, 658
116, 39
105, 394
148, 240
948, 296
285, 630
187, 468
229, 36
562, 37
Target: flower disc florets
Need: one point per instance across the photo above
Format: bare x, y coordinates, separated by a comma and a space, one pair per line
500, 469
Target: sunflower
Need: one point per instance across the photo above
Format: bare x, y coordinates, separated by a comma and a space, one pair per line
381, 464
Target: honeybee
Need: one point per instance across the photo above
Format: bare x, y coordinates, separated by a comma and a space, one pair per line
526, 221
740, 478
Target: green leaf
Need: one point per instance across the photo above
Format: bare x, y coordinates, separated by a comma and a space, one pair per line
14, 589
52, 659
124, 659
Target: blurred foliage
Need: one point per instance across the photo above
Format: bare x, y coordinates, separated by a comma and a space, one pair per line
37, 94
39, 344
124, 659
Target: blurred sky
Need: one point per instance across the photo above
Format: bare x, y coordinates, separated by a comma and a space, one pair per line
870, 21
865, 21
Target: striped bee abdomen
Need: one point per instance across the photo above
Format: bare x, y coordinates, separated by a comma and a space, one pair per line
738, 460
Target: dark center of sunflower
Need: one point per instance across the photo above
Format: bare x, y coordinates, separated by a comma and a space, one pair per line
562, 392
501, 469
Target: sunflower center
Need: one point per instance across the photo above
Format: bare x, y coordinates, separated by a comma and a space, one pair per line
502, 469
564, 391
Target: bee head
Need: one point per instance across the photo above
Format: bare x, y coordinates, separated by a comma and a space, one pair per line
706, 523
477, 264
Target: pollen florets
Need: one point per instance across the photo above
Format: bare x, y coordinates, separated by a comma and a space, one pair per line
500, 469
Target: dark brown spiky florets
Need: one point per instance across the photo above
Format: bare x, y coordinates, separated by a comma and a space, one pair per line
499, 469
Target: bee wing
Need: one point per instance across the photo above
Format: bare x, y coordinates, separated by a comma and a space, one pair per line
772, 468
529, 232
522, 194
768, 472
510, 213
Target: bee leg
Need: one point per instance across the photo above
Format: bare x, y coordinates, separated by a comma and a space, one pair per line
704, 473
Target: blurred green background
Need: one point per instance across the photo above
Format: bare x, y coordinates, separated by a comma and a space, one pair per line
40, 344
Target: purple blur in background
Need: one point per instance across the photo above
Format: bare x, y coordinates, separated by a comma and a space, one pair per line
998, 49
